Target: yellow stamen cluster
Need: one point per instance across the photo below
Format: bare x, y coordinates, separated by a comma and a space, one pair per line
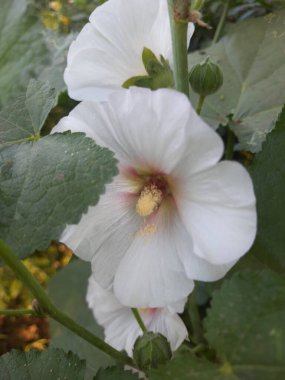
149, 200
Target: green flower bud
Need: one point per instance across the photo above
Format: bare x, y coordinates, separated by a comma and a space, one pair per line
206, 78
151, 350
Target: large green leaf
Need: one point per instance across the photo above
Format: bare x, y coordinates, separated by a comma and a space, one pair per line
23, 51
47, 365
251, 56
23, 119
268, 174
186, 366
246, 325
68, 291
47, 184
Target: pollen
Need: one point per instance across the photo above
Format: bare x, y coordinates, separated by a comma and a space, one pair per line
149, 200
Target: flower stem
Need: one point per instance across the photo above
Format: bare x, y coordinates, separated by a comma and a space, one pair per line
194, 314
179, 27
229, 152
50, 309
19, 312
139, 319
221, 22
200, 104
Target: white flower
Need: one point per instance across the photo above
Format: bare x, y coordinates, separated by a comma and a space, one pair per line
174, 213
108, 51
120, 326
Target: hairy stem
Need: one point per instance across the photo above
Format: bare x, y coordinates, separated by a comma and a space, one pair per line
178, 9
194, 314
221, 22
200, 104
139, 319
229, 151
50, 309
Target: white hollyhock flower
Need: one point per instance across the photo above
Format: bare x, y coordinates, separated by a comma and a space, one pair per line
108, 50
120, 326
174, 213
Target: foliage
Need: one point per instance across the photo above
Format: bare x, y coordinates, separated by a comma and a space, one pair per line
251, 57
46, 365
38, 173
74, 277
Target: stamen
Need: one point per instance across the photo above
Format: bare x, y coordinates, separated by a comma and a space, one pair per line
149, 200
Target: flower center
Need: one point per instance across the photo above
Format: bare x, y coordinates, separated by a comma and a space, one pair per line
149, 200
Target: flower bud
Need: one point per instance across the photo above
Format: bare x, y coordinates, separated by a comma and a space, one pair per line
151, 350
206, 78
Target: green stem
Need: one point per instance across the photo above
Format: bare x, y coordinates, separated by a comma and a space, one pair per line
221, 22
49, 308
180, 48
139, 319
194, 314
200, 104
229, 152
19, 312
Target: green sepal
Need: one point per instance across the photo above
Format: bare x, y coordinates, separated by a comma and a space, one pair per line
151, 63
133, 81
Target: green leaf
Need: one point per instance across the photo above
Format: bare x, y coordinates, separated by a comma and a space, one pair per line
68, 290
186, 366
47, 184
267, 171
115, 373
23, 119
50, 364
246, 325
57, 46
23, 51
251, 57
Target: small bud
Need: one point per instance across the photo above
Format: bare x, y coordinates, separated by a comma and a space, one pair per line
206, 78
151, 350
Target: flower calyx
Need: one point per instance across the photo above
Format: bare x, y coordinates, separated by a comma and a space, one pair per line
151, 350
159, 73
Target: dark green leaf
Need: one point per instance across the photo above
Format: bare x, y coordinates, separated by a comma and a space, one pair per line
246, 325
68, 290
47, 365
115, 373
47, 184
251, 57
23, 119
186, 366
267, 172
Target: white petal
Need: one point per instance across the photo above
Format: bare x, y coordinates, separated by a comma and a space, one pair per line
204, 147
218, 210
144, 128
196, 267
108, 51
106, 231
151, 273
171, 326
121, 328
